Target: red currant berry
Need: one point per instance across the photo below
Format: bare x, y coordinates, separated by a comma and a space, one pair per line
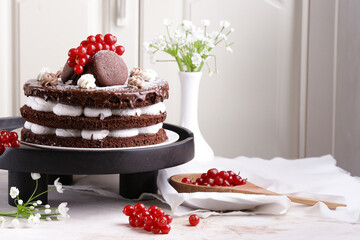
162, 221
186, 180
120, 50
106, 46
194, 220
159, 213
218, 181
155, 229
212, 173
139, 208
84, 43
81, 61
243, 181
152, 209
237, 180
209, 181
87, 58
109, 39
81, 51
128, 210
230, 179
71, 62
13, 136
90, 49
91, 39
168, 218
226, 183
72, 53
112, 48
200, 181
139, 223
98, 47
149, 220
78, 69
4, 138
165, 229
204, 176
132, 220
2, 148
99, 38
231, 173
147, 228
14, 144
224, 174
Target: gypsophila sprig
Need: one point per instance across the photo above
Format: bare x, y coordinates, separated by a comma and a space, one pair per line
33, 210
190, 46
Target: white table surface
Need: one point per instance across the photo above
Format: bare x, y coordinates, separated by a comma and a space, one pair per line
95, 216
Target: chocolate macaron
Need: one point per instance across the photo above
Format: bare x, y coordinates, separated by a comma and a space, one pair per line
108, 68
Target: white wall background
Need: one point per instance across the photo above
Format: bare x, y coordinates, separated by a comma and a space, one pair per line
289, 89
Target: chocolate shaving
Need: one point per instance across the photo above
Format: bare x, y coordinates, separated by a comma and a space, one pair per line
102, 116
135, 81
49, 79
58, 73
136, 71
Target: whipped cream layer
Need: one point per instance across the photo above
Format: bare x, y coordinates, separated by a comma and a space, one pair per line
92, 134
39, 104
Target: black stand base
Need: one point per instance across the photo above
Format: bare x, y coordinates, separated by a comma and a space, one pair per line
132, 185
64, 179
26, 186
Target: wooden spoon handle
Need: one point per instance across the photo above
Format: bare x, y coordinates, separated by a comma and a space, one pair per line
312, 202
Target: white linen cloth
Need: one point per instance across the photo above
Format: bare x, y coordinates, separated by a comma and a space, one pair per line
316, 178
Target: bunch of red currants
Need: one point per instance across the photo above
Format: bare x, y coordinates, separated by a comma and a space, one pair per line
8, 139
152, 220
215, 178
80, 56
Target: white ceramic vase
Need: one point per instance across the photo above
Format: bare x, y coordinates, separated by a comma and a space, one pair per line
190, 82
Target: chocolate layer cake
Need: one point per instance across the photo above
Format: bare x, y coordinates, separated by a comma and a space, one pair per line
90, 110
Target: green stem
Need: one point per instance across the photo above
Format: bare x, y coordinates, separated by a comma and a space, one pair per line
44, 192
201, 66
8, 213
36, 186
166, 60
179, 63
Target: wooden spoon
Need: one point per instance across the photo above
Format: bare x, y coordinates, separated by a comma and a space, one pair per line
248, 188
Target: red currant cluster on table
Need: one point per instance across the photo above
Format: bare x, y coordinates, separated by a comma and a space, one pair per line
215, 178
8, 139
80, 56
152, 220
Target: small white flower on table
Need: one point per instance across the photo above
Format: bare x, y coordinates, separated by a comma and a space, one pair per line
14, 192
62, 210
2, 222
15, 222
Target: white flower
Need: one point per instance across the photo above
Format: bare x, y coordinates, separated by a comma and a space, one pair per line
228, 48
20, 202
35, 176
167, 22
146, 46
196, 59
14, 192
47, 206
15, 222
62, 211
58, 186
39, 202
48, 218
232, 29
34, 219
187, 25
31, 207
34, 204
2, 222
205, 22
47, 211
224, 24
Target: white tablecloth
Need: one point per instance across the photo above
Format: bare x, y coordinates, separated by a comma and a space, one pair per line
96, 208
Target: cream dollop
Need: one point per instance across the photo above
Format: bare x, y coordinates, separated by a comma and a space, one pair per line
86, 81
42, 72
149, 75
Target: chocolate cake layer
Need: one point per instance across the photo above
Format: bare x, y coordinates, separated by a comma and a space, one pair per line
109, 142
50, 119
115, 97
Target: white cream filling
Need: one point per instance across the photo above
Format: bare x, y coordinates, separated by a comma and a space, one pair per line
67, 110
60, 109
92, 134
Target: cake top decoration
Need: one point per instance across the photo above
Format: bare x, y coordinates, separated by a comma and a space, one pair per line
98, 55
86, 81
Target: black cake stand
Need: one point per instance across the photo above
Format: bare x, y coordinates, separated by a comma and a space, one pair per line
138, 167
